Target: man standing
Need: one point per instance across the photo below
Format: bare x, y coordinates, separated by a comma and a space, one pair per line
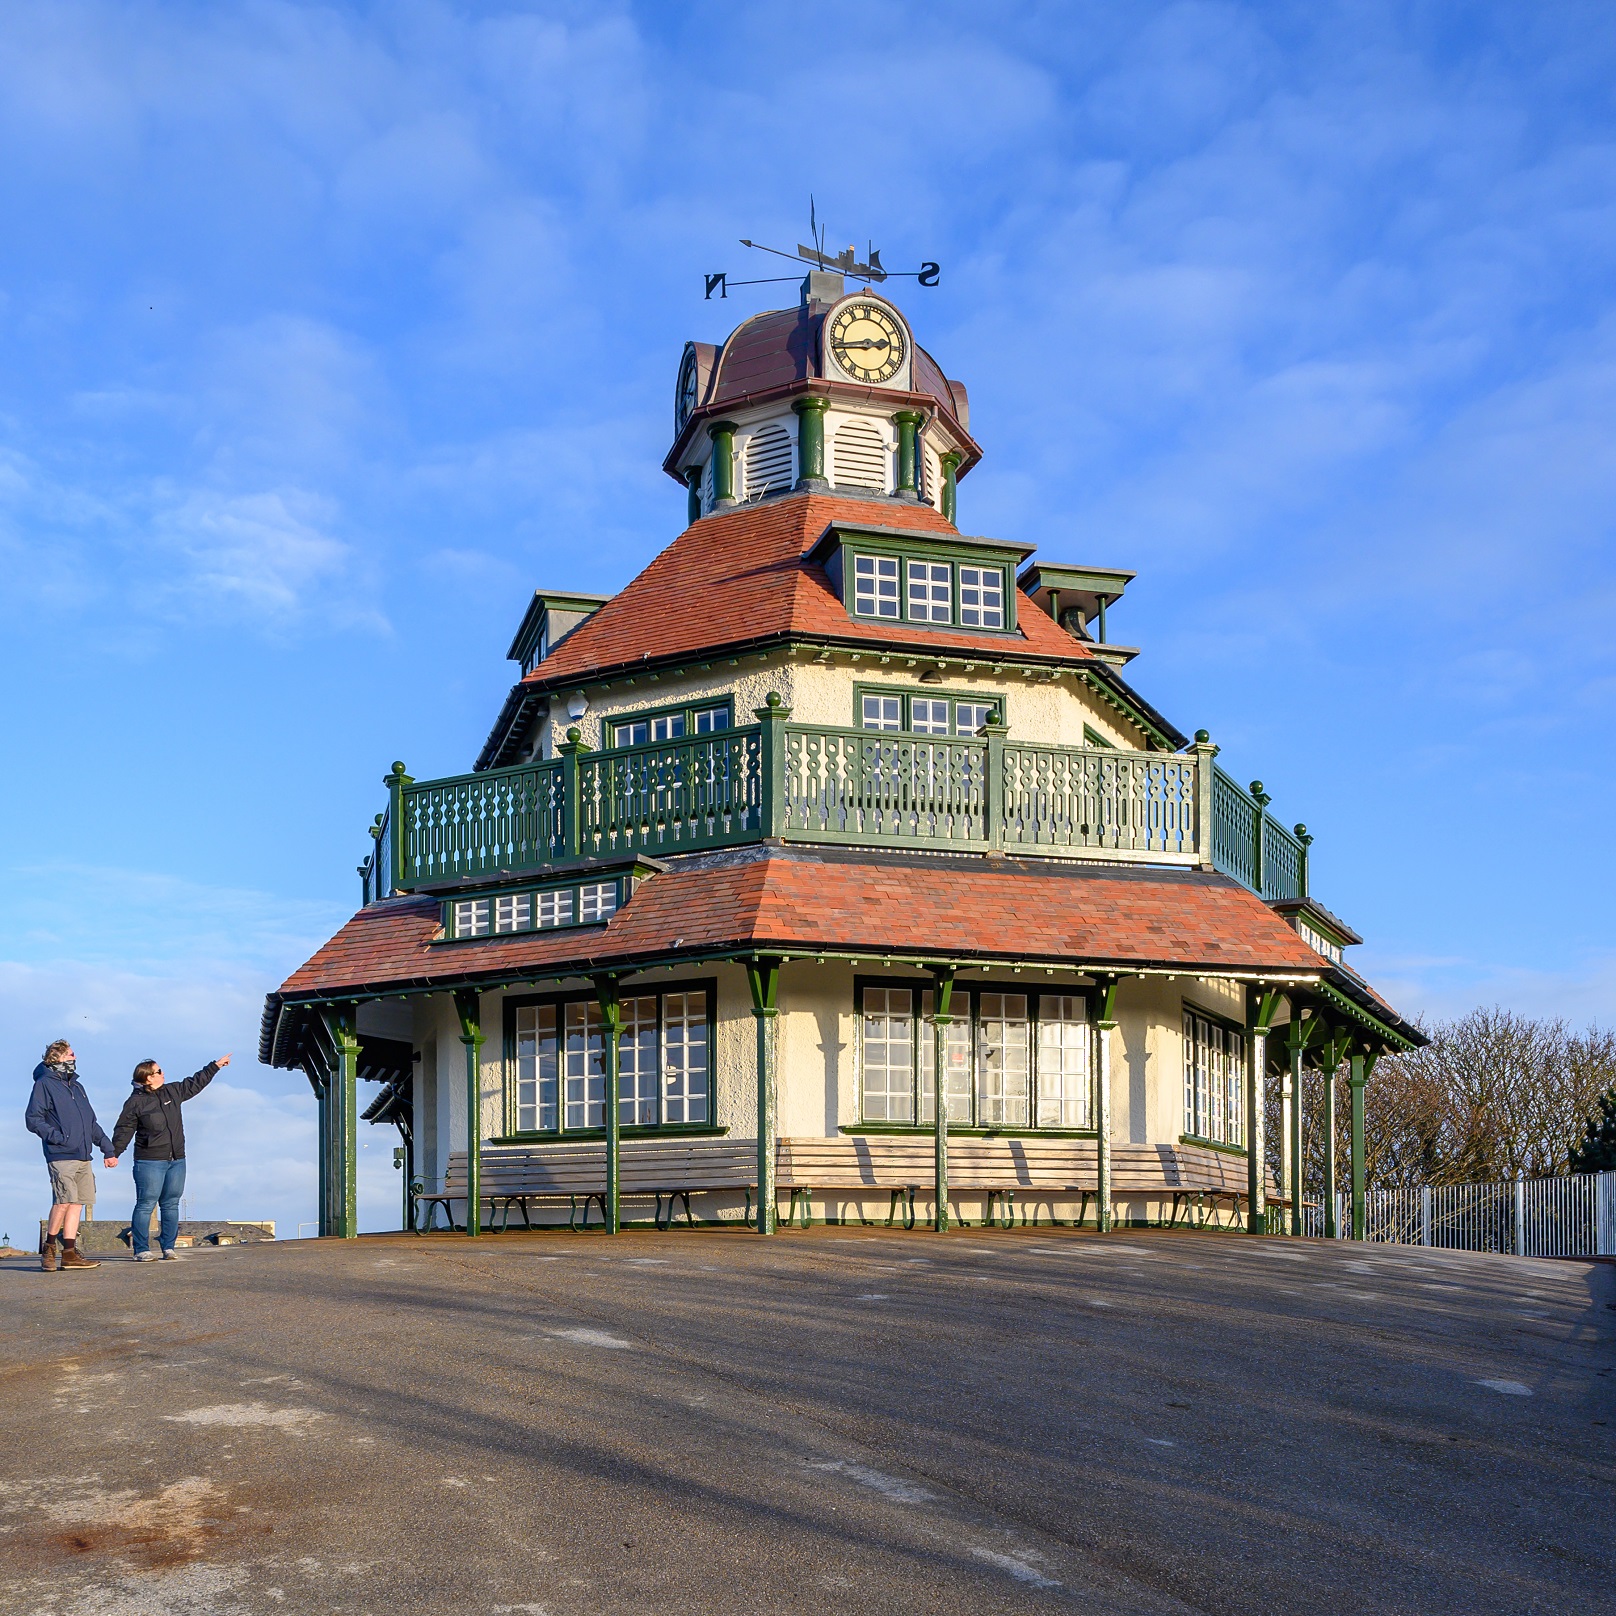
59, 1111
151, 1117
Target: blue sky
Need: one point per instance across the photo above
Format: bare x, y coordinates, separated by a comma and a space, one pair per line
329, 333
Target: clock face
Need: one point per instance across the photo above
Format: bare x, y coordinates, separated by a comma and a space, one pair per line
867, 341
685, 397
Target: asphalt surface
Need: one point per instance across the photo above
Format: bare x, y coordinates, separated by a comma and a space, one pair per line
703, 1423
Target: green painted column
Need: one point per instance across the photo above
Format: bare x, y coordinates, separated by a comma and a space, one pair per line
1105, 1025
693, 497
908, 424
1259, 1021
399, 835
723, 435
568, 752
1293, 1141
1358, 1078
943, 996
468, 1005
810, 414
772, 717
763, 979
322, 1098
346, 1038
1332, 1065
950, 506
611, 1015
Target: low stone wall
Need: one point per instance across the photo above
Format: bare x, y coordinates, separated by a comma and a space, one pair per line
109, 1237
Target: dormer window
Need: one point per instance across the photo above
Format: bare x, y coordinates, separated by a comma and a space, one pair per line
943, 594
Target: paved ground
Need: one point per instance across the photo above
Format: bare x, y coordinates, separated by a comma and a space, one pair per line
847, 1420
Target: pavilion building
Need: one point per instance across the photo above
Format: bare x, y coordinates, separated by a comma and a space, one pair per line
832, 808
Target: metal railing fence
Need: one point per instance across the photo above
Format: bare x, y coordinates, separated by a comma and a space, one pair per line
1573, 1215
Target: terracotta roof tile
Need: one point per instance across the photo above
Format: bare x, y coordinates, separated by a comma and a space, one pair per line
740, 575
799, 900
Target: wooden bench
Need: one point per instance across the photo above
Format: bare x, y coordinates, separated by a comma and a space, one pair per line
668, 1170
899, 1165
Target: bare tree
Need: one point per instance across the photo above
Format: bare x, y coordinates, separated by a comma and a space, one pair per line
1493, 1095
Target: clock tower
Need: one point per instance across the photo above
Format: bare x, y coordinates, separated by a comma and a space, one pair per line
834, 395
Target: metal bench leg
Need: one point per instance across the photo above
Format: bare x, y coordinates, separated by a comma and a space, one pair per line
656, 1216
690, 1217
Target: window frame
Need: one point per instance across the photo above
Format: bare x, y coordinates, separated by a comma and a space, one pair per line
907, 695
685, 709
450, 919
908, 555
973, 988
1230, 1029
560, 999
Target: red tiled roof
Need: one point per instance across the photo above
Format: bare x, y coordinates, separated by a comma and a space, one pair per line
740, 575
800, 900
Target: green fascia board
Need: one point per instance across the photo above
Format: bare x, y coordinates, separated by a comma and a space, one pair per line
1356, 1012
638, 866
1107, 581
546, 600
1318, 917
925, 542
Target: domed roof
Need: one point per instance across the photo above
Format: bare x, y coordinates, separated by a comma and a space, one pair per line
781, 350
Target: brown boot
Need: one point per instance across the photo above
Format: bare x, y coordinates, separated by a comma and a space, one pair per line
47, 1254
72, 1257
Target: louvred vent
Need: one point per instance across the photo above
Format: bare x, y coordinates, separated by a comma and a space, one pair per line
768, 461
860, 457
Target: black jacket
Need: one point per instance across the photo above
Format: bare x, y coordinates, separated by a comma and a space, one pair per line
151, 1117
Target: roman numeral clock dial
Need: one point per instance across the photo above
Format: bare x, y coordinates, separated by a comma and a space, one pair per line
867, 342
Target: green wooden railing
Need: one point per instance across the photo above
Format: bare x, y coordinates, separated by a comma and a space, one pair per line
817, 783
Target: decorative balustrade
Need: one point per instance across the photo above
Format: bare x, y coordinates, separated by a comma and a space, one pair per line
816, 783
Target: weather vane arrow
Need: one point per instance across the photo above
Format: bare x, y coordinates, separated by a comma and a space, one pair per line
871, 271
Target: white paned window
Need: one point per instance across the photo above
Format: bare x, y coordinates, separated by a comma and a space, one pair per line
1317, 941
767, 461
1064, 1052
637, 1063
1214, 1080
471, 917
970, 716
859, 457
631, 734
927, 717
584, 1065
514, 912
882, 712
931, 591
537, 1068
684, 1057
707, 719
553, 908
670, 727
889, 1055
1004, 1066
597, 900
956, 1059
875, 586
981, 597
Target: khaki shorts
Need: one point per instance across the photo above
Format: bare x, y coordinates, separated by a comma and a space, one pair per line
72, 1183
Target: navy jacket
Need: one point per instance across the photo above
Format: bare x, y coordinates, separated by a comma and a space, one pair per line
59, 1111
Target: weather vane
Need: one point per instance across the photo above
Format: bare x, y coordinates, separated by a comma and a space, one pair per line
842, 263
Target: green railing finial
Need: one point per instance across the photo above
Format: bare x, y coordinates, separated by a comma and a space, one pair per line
1259, 796
1302, 874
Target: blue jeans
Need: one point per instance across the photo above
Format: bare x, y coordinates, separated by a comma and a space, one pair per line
158, 1184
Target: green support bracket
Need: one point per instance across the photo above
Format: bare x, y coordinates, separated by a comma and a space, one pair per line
1260, 1008
1105, 1025
772, 717
811, 442
468, 1006
943, 996
611, 1015
763, 979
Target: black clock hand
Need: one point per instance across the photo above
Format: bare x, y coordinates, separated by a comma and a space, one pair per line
863, 342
